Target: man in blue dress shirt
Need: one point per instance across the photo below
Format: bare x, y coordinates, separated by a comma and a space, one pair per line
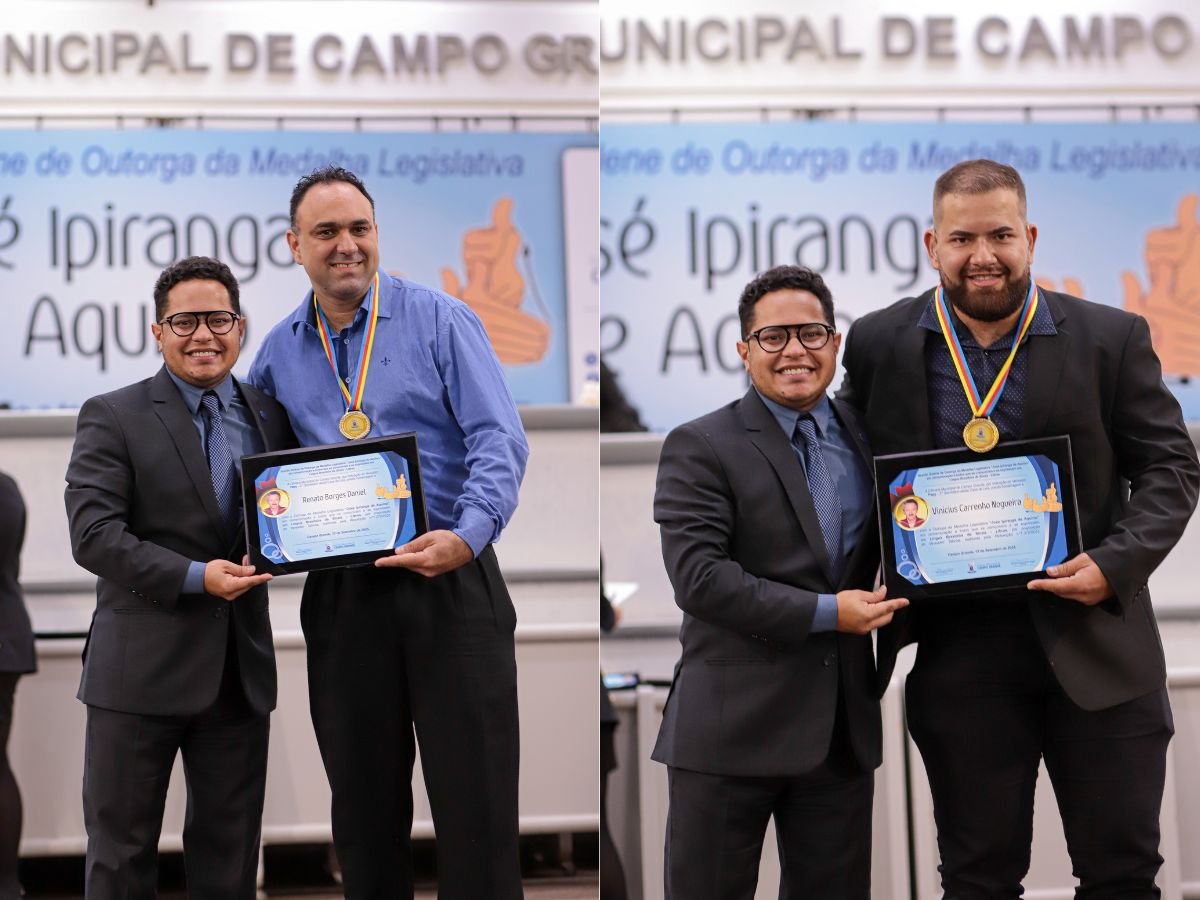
423, 641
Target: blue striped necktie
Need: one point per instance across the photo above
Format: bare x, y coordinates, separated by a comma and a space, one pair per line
823, 490
220, 458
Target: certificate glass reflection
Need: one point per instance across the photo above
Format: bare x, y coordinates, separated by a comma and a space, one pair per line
332, 506
956, 522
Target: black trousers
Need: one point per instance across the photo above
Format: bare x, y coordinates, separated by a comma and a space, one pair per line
716, 825
984, 707
390, 652
127, 767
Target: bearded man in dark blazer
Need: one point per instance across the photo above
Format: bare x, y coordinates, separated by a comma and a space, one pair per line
179, 657
767, 518
1070, 669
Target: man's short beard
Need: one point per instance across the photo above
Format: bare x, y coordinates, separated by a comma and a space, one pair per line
990, 306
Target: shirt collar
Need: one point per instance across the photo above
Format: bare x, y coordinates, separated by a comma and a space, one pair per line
1043, 322
787, 417
192, 393
306, 314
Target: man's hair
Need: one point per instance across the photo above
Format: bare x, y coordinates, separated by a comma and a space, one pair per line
194, 268
912, 501
327, 175
275, 493
783, 278
979, 176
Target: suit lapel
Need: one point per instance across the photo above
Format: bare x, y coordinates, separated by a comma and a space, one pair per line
263, 421
910, 382
174, 415
764, 433
1047, 356
852, 424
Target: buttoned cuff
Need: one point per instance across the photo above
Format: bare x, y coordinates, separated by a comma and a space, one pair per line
475, 528
825, 618
193, 582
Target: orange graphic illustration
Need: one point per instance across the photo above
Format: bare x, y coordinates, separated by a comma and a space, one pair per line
495, 288
399, 492
1172, 303
1048, 502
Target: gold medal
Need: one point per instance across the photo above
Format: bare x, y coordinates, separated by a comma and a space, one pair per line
981, 435
354, 424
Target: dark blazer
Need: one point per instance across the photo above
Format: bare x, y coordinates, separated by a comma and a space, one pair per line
1136, 475
755, 693
16, 635
141, 508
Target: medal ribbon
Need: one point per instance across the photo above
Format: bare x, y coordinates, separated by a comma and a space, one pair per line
983, 408
352, 402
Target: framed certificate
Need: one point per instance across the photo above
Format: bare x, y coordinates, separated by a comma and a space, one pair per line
333, 505
954, 522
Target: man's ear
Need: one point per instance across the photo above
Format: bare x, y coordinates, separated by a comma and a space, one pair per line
294, 246
931, 248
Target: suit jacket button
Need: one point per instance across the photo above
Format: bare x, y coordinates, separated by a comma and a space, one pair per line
829, 658
219, 613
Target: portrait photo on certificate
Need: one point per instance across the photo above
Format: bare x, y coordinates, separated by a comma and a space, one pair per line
333, 505
954, 522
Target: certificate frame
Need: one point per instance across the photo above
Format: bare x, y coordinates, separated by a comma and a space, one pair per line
311, 531
961, 549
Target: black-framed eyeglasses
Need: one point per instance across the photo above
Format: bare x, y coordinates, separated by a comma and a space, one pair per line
219, 321
812, 335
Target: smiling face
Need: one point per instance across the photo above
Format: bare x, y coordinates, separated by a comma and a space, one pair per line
910, 512
202, 358
336, 240
983, 249
795, 377
273, 503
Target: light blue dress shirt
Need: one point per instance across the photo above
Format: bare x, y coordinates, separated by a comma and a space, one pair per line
849, 473
240, 431
432, 371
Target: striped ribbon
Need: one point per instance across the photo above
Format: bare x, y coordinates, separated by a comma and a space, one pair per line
981, 408
352, 401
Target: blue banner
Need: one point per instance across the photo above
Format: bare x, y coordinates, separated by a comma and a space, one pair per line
689, 214
89, 219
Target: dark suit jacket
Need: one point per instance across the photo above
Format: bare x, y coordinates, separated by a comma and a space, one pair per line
16, 635
1136, 474
141, 508
755, 693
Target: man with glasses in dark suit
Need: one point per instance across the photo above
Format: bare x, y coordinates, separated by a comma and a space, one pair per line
766, 515
179, 657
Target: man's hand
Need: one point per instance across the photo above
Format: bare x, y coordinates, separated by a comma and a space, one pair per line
431, 554
229, 580
1077, 579
860, 612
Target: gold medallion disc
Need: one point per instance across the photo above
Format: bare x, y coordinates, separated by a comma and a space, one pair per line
981, 435
355, 424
